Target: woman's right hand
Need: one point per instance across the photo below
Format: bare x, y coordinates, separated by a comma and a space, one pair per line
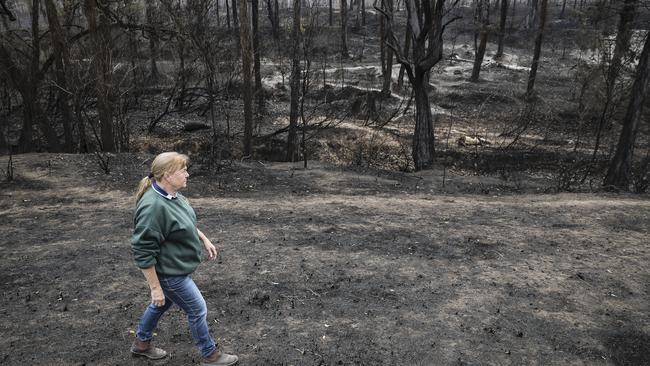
157, 297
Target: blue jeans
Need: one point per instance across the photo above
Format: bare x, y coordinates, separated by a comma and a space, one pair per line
182, 291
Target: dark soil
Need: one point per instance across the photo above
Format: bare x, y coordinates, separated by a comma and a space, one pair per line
351, 261
329, 266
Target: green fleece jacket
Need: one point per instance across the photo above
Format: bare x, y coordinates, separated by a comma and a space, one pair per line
165, 235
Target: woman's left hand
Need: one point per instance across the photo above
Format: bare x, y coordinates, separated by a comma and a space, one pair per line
210, 249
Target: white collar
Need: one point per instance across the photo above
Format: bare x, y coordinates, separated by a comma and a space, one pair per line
161, 191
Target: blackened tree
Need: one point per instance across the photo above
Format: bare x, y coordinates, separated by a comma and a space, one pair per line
425, 19
619, 172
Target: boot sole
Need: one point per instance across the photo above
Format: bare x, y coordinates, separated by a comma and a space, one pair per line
223, 364
143, 354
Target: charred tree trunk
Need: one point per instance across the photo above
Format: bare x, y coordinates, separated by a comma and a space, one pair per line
623, 37
26, 81
483, 19
502, 27
622, 46
182, 74
423, 139
235, 17
273, 18
538, 50
407, 47
25, 142
100, 31
259, 91
386, 52
425, 21
4, 145
292, 139
480, 53
563, 8
62, 62
228, 14
531, 17
331, 14
29, 91
344, 29
152, 17
247, 63
36, 55
217, 14
388, 73
277, 15
619, 172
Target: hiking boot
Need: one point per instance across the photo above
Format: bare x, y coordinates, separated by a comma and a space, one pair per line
219, 359
146, 349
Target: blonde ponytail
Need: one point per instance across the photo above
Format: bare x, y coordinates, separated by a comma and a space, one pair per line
144, 184
167, 162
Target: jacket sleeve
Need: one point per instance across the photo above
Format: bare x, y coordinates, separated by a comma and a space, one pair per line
147, 237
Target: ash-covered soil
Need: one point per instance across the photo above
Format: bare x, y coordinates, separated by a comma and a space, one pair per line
329, 266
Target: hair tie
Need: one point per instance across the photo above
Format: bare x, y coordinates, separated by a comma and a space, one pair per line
150, 175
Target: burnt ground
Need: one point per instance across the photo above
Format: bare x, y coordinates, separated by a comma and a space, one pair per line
353, 261
329, 265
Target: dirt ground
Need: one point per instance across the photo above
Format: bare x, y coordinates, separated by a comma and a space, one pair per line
352, 261
328, 266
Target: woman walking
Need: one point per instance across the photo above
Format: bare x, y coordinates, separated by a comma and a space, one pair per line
167, 247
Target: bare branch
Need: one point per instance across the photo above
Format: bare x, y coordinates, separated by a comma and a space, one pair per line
132, 26
434, 51
451, 21
393, 44
451, 7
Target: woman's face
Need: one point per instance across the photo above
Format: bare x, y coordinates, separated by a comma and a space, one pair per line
178, 178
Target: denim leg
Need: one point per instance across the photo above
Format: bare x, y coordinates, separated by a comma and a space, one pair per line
183, 292
150, 319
